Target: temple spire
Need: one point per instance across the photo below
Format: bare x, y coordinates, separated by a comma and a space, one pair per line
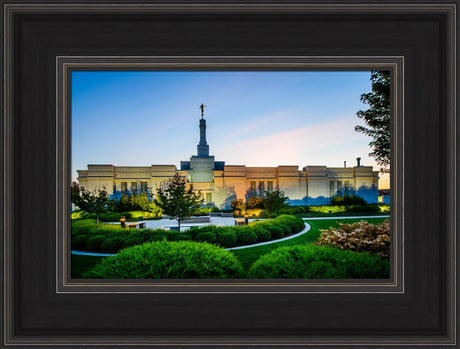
203, 147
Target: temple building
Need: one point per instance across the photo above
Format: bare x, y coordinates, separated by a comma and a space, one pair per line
220, 184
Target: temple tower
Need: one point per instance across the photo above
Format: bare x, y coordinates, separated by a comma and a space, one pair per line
203, 147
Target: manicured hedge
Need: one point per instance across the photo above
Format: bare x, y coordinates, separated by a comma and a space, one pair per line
276, 231
226, 239
169, 260
207, 236
95, 242
112, 244
318, 262
110, 238
245, 236
262, 233
369, 208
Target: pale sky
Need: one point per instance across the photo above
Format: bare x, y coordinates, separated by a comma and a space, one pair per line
253, 118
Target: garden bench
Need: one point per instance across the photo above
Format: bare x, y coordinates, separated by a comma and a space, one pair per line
135, 225
239, 221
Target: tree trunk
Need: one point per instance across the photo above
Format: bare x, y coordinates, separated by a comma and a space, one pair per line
178, 224
97, 219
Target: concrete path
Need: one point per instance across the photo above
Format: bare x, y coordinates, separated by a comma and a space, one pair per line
81, 253
307, 228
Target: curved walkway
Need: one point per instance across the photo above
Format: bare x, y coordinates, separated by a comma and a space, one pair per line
307, 228
95, 254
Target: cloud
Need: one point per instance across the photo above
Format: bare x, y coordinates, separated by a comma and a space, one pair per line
290, 147
250, 126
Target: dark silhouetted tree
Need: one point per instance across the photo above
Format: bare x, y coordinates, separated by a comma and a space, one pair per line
274, 200
92, 202
377, 118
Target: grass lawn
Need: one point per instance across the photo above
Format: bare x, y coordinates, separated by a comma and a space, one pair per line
80, 264
247, 256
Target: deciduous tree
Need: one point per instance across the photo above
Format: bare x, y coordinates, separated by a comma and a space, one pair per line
274, 200
92, 202
177, 199
377, 118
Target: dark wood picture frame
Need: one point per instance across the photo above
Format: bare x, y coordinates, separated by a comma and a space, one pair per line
43, 40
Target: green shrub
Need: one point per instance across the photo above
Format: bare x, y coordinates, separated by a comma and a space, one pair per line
112, 245
285, 228
255, 202
266, 214
275, 230
133, 241
344, 200
292, 210
126, 214
238, 206
203, 211
366, 208
79, 242
314, 262
245, 236
94, 243
169, 260
78, 215
262, 233
138, 214
110, 217
295, 223
206, 236
89, 226
184, 237
194, 231
158, 235
82, 226
327, 209
226, 238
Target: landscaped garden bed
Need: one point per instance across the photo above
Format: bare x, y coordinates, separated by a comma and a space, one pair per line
106, 238
301, 259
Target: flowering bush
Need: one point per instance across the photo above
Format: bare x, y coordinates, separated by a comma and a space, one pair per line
360, 236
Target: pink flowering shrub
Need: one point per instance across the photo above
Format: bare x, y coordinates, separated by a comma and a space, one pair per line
361, 236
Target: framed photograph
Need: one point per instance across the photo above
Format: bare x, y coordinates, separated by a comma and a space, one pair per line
310, 122
249, 205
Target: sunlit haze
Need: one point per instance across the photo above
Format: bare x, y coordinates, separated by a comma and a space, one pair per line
253, 118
